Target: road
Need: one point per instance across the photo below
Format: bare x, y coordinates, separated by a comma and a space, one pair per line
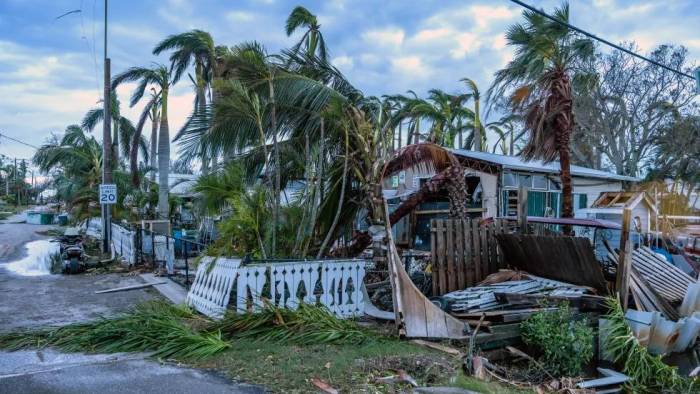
40, 301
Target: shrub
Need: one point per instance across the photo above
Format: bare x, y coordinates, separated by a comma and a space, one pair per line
566, 342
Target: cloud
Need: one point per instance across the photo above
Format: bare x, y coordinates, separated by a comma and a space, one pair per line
388, 37
410, 65
343, 62
240, 16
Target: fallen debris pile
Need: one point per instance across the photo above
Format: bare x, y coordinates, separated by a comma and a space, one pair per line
496, 294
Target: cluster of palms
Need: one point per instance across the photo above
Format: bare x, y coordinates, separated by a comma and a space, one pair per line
295, 155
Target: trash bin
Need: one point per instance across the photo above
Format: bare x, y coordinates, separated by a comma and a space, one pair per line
63, 220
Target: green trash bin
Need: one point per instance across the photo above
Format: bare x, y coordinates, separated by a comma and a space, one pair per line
63, 220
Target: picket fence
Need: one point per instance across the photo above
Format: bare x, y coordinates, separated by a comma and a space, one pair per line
337, 284
131, 246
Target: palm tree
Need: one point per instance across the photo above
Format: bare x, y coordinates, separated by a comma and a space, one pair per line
75, 162
312, 39
162, 78
540, 75
196, 47
476, 126
122, 128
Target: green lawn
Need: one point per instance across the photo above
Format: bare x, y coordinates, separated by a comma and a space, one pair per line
348, 368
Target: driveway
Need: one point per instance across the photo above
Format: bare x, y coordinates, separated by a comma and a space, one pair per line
28, 302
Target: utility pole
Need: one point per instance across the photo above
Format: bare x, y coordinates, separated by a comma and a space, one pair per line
106, 144
18, 202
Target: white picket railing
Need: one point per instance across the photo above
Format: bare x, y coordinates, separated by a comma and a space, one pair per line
337, 284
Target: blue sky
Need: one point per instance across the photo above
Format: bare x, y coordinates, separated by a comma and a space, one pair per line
51, 70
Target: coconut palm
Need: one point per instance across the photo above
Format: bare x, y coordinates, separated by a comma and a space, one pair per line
312, 39
76, 162
193, 47
122, 128
547, 55
162, 79
479, 135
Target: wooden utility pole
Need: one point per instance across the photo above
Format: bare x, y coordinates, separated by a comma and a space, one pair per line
106, 143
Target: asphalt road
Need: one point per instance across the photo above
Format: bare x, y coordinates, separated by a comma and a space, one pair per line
28, 302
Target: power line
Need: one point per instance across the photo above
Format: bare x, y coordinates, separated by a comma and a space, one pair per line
18, 141
604, 41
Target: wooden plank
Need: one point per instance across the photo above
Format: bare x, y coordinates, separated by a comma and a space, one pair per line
468, 255
440, 269
450, 254
434, 255
460, 262
484, 252
625, 259
493, 254
476, 251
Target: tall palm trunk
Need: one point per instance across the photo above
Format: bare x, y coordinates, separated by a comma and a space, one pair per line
560, 101
339, 210
201, 107
477, 128
154, 142
163, 157
278, 167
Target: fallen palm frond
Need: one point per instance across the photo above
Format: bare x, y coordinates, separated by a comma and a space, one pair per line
308, 324
156, 327
647, 372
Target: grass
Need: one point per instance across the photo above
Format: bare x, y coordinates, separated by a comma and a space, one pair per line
278, 348
287, 368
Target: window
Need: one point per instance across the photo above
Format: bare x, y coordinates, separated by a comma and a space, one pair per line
539, 182
525, 180
509, 179
554, 185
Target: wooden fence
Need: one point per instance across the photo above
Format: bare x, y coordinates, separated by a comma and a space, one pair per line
464, 252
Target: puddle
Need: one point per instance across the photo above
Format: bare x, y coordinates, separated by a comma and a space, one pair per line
38, 259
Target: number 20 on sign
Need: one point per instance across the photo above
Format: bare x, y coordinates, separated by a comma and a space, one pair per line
108, 194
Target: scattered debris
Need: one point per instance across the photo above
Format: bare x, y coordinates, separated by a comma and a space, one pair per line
568, 259
611, 378
127, 288
323, 386
400, 377
438, 346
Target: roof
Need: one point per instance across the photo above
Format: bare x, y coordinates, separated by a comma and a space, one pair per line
596, 223
518, 163
623, 200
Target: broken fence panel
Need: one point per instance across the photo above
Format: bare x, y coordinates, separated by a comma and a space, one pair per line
211, 289
337, 284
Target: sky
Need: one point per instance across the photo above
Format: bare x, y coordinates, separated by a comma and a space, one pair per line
51, 69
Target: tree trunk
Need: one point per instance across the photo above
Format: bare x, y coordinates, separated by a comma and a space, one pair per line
134, 157
201, 108
154, 142
448, 178
278, 167
338, 211
477, 128
163, 158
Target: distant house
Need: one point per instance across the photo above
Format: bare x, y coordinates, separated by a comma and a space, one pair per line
609, 206
493, 181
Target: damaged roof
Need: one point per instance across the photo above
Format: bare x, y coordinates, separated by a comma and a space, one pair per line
518, 163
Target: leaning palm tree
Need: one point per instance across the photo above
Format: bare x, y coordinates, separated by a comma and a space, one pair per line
539, 77
162, 78
312, 39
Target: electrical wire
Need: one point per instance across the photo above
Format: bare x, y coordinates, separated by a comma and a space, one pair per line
18, 141
604, 41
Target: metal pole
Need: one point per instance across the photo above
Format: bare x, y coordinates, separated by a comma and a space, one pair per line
106, 143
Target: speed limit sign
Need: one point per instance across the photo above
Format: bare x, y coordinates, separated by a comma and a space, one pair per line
108, 194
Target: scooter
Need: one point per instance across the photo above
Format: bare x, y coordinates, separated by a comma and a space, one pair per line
72, 251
